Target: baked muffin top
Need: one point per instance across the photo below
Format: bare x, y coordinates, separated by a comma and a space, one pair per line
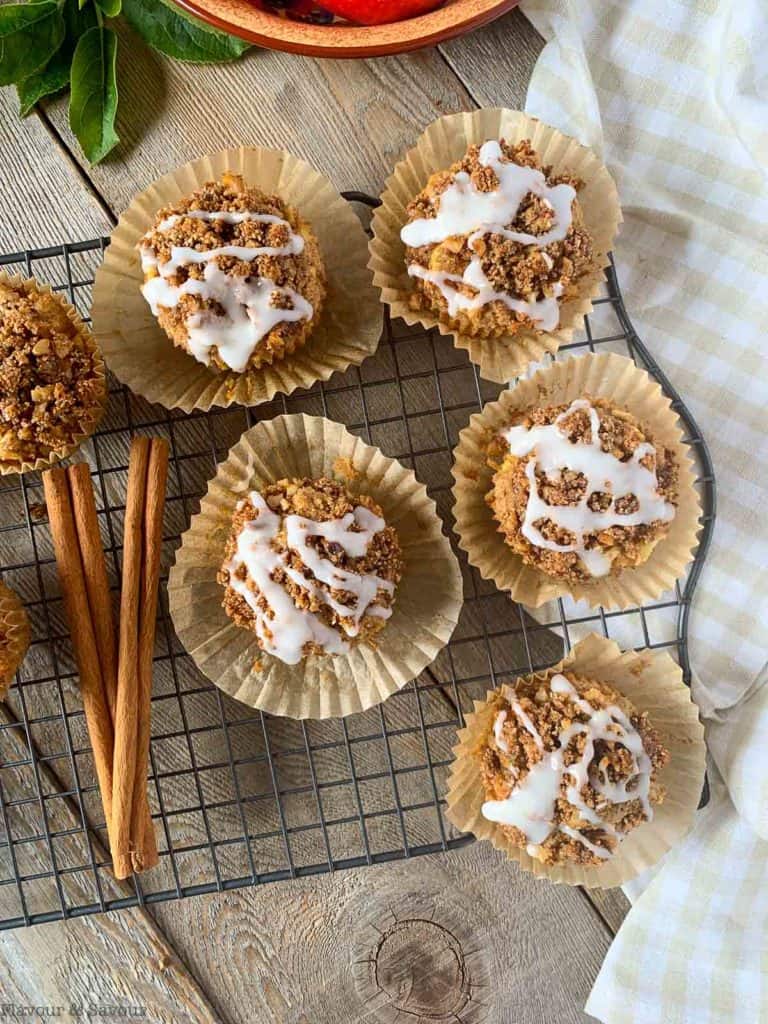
234, 276
51, 385
496, 241
569, 767
581, 490
309, 568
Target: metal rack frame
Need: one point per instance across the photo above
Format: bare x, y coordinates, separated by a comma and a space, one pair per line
239, 798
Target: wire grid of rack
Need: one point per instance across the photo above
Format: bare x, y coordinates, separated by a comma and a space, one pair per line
239, 798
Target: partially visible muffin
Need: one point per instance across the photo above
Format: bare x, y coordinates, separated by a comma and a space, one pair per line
569, 767
14, 636
310, 569
52, 382
496, 242
234, 276
581, 491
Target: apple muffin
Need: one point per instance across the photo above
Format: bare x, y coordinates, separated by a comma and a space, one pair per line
234, 276
52, 382
496, 242
569, 767
310, 569
581, 491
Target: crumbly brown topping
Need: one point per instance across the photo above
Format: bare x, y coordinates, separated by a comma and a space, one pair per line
319, 500
523, 271
49, 387
304, 272
620, 435
550, 714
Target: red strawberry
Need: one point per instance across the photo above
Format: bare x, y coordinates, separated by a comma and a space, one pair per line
379, 12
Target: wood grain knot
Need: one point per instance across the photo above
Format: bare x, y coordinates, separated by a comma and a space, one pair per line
418, 971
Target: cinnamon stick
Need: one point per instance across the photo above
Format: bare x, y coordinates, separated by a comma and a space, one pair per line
95, 570
102, 618
126, 716
143, 844
75, 596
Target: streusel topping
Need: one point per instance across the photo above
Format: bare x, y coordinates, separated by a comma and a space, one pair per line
496, 241
309, 568
581, 490
233, 275
49, 385
569, 767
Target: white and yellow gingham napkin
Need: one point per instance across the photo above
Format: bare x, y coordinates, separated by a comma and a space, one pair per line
674, 93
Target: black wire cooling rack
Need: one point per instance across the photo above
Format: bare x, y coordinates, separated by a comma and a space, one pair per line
239, 798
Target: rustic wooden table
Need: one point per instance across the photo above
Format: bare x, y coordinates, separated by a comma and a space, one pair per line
462, 937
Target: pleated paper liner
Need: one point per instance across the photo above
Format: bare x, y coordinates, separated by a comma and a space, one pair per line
445, 141
14, 636
653, 682
604, 375
94, 415
427, 599
141, 355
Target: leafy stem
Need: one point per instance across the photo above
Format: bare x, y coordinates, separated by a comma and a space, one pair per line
49, 45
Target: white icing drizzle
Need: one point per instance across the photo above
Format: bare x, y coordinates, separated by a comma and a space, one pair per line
530, 806
247, 300
464, 210
498, 731
545, 312
603, 472
290, 629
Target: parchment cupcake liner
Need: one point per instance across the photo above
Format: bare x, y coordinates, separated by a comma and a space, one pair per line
427, 599
32, 287
604, 375
444, 142
653, 682
14, 636
142, 356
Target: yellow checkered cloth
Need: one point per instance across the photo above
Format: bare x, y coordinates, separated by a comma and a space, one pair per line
674, 93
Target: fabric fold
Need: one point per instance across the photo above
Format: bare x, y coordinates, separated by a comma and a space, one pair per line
674, 96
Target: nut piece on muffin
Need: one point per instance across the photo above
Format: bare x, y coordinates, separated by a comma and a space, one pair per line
52, 386
569, 767
581, 491
233, 275
310, 569
495, 243
14, 636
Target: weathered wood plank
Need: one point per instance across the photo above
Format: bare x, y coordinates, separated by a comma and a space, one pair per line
243, 946
42, 200
116, 959
612, 905
351, 120
467, 937
495, 63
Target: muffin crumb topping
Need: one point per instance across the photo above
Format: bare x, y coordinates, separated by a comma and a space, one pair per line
233, 275
310, 569
581, 491
496, 241
569, 767
50, 388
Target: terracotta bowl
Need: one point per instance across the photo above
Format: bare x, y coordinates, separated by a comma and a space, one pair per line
245, 19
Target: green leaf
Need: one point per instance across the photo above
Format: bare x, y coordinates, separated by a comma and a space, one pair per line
110, 8
93, 102
29, 36
51, 78
55, 75
180, 36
